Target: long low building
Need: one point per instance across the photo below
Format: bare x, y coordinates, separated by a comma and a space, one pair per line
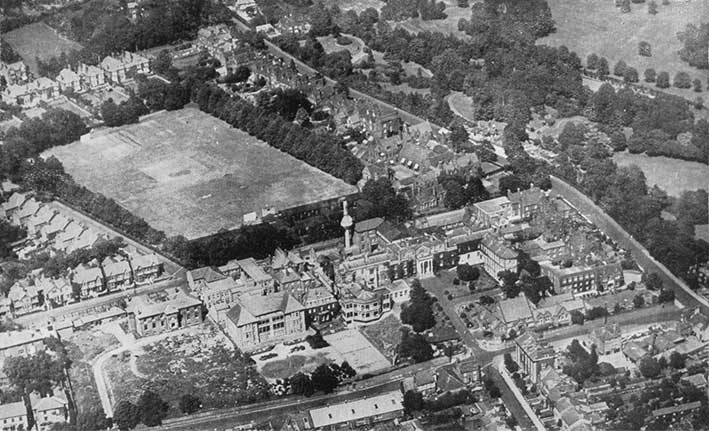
358, 413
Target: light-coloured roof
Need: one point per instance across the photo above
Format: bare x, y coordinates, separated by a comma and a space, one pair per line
514, 309
253, 270
84, 274
151, 305
358, 409
367, 225
67, 76
492, 206
18, 338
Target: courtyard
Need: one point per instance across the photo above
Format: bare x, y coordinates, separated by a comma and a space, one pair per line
344, 346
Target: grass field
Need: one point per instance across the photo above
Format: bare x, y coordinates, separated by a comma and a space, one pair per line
672, 175
357, 5
188, 173
38, 40
462, 105
597, 26
385, 335
446, 26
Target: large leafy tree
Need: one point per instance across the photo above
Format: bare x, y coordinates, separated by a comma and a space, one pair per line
126, 415
153, 409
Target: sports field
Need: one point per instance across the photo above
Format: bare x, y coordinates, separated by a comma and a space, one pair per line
597, 26
672, 175
188, 173
38, 40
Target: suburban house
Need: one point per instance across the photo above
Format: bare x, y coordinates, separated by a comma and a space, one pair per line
86, 77
533, 355
69, 80
28, 209
88, 279
145, 266
163, 311
20, 343
32, 93
14, 203
117, 272
121, 68
258, 321
57, 291
47, 411
43, 217
25, 297
14, 73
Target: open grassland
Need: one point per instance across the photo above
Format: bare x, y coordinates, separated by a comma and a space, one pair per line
385, 335
597, 26
188, 173
38, 40
672, 175
357, 5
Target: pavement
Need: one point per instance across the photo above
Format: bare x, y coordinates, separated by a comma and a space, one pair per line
76, 310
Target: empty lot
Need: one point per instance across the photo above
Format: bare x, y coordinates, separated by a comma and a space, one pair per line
188, 173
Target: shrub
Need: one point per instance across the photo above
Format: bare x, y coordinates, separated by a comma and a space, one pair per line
344, 40
682, 80
644, 49
619, 68
650, 75
663, 80
316, 341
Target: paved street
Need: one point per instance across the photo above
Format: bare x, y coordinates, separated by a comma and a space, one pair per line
76, 310
510, 400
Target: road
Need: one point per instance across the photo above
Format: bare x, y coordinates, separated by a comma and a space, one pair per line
510, 400
76, 310
227, 418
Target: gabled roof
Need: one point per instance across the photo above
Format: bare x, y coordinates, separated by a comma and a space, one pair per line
249, 307
514, 309
206, 274
15, 201
367, 225
448, 379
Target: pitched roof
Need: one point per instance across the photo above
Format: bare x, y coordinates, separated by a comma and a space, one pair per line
152, 305
251, 306
253, 270
514, 309
449, 379
676, 409
367, 225
358, 409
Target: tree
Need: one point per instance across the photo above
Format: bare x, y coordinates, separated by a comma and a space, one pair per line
577, 317
458, 136
189, 404
467, 272
347, 369
652, 281
418, 312
698, 103
301, 384
510, 364
697, 84
383, 201
677, 360
126, 415
652, 7
663, 80
625, 6
666, 295
324, 379
413, 402
638, 301
242, 73
592, 61
486, 300
153, 409
414, 346
650, 75
644, 49
649, 367
619, 68
603, 68
682, 80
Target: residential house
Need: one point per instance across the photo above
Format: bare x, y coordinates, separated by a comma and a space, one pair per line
41, 219
14, 203
525, 203
259, 321
14, 73
57, 291
364, 412
533, 355
66, 237
122, 68
91, 76
57, 225
146, 267
25, 297
84, 241
515, 313
449, 379
676, 412
89, 280
492, 212
320, 305
163, 311
32, 93
21, 343
28, 209
69, 80
425, 381
117, 273
47, 411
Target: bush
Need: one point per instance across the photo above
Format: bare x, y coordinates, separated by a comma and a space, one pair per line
316, 341
467, 272
697, 85
577, 317
592, 61
630, 75
619, 68
644, 49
